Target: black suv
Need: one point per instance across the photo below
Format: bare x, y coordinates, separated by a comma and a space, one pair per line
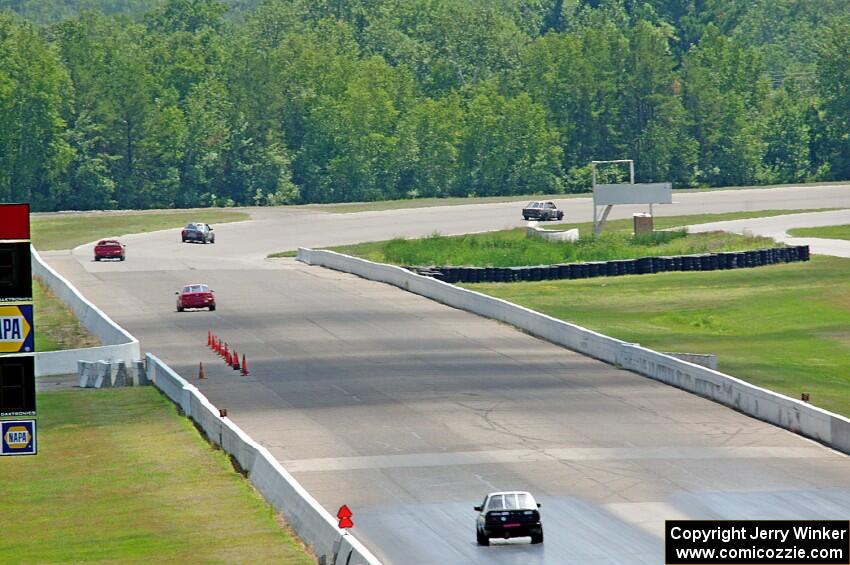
508, 515
542, 211
198, 232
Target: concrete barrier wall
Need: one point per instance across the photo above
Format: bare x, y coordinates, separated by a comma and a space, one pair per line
311, 522
118, 344
795, 415
551, 235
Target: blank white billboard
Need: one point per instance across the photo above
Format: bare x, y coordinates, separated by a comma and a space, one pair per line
639, 193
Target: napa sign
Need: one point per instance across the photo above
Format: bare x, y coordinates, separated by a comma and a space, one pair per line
16, 335
17, 437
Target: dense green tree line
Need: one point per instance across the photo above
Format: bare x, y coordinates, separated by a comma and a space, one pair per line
178, 103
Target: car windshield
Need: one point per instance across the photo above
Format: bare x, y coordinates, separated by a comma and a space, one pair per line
195, 288
510, 501
534, 205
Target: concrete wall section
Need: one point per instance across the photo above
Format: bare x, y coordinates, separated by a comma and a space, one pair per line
64, 361
313, 524
118, 344
794, 415
551, 235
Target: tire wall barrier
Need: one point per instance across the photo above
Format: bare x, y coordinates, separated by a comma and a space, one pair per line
643, 265
794, 415
313, 524
118, 344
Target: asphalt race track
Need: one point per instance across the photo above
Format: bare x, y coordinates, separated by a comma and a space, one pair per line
410, 411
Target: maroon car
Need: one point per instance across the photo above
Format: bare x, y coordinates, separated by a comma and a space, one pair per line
109, 249
195, 296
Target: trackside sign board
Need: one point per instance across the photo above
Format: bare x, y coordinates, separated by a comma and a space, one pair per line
16, 332
16, 221
17, 437
641, 193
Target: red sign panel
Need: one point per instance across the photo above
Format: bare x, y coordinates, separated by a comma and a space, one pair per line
344, 515
14, 221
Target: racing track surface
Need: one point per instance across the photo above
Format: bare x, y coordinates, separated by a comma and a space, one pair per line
409, 411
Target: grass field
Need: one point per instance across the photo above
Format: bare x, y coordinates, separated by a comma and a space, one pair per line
828, 232
783, 327
56, 326
65, 231
513, 248
121, 478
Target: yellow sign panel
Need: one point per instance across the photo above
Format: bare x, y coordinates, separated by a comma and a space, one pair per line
17, 437
16, 329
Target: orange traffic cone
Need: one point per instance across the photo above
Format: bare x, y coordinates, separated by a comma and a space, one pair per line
217, 347
235, 363
225, 350
244, 367
209, 338
228, 359
201, 370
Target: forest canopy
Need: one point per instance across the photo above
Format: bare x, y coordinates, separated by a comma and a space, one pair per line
183, 103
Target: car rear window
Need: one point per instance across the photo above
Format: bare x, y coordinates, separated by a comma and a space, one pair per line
196, 288
496, 502
512, 501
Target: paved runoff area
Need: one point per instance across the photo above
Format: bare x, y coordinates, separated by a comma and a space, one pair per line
409, 411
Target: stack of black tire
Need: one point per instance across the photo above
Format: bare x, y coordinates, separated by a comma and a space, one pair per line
642, 266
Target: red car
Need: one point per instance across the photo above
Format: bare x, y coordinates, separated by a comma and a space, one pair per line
195, 296
109, 249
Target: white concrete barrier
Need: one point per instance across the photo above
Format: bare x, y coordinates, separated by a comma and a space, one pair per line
551, 235
102, 374
709, 361
311, 522
795, 415
118, 344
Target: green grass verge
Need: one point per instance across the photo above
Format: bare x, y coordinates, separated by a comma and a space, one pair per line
667, 222
828, 232
121, 478
514, 248
56, 326
380, 205
782, 327
415, 252
65, 231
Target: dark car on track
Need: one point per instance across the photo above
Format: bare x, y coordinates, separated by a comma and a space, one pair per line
195, 296
198, 232
110, 249
506, 515
542, 211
